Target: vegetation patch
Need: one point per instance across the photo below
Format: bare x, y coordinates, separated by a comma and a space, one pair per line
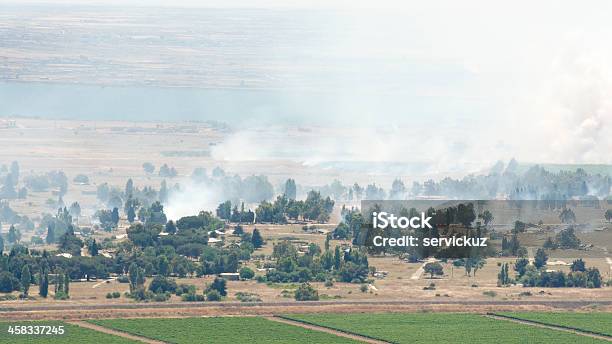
597, 322
439, 328
72, 334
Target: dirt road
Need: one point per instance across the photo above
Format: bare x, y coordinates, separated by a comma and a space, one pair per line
186, 309
552, 327
114, 332
327, 330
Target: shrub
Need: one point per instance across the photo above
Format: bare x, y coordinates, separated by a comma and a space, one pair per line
490, 293
123, 279
247, 297
60, 295
109, 295
329, 283
161, 297
306, 292
161, 284
364, 288
213, 295
246, 273
431, 286
116, 295
189, 297
219, 285
185, 289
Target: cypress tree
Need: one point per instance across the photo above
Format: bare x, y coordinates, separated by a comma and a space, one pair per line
25, 279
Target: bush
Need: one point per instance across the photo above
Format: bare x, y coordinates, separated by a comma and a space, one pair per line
8, 282
116, 295
213, 295
247, 297
109, 295
162, 284
189, 297
364, 288
60, 295
161, 297
306, 292
185, 289
218, 285
489, 293
431, 286
246, 273
123, 279
329, 283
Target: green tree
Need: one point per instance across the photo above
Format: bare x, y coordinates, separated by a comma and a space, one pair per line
567, 238
487, 217
8, 282
115, 216
567, 216
520, 266
133, 276
290, 189
224, 210
131, 214
503, 278
540, 258
219, 285
213, 295
337, 258
43, 283
170, 227
593, 278
256, 239
246, 273
148, 167
14, 235
129, 188
26, 277
93, 248
163, 192
578, 265
67, 284
163, 266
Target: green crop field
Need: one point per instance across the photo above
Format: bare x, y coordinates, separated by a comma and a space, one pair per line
73, 334
594, 322
441, 328
220, 330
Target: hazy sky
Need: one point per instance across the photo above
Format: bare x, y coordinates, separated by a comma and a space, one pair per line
515, 75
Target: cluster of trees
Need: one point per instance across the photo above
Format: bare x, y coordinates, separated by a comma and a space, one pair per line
252, 189
446, 222
314, 208
350, 265
53, 179
535, 183
565, 239
512, 247
9, 187
21, 269
134, 201
226, 212
536, 275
